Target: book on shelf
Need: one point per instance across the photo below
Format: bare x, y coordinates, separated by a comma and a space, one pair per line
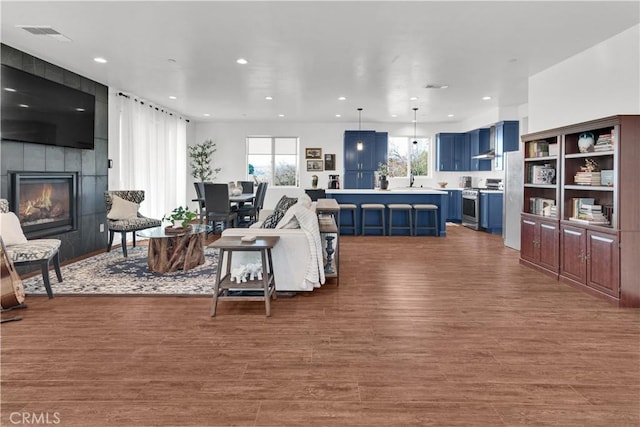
538, 149
542, 206
606, 177
587, 178
604, 143
578, 202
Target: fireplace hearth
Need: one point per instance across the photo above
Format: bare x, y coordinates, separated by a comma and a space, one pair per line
45, 202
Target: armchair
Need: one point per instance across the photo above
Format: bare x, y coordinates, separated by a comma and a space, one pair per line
123, 215
21, 251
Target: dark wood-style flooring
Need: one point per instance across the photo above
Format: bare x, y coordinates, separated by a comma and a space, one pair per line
421, 331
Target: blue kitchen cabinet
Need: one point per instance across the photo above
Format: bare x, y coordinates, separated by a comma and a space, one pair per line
507, 139
479, 142
452, 152
359, 165
491, 212
454, 212
358, 180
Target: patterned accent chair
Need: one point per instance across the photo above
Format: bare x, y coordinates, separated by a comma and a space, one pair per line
124, 226
43, 252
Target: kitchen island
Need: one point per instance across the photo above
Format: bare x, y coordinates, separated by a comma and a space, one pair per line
396, 195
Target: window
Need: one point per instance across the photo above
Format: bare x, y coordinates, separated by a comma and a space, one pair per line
405, 157
273, 159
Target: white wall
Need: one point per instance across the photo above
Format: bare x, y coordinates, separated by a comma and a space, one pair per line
601, 81
231, 155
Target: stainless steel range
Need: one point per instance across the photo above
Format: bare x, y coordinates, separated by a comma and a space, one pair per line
471, 203
471, 208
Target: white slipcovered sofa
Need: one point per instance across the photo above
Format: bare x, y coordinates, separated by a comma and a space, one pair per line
297, 257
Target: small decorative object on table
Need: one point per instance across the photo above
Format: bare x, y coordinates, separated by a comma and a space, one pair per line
442, 184
314, 181
180, 220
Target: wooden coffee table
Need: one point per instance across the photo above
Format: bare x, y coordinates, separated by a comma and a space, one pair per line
169, 252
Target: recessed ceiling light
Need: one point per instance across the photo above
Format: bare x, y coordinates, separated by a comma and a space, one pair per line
449, 115
338, 115
280, 115
23, 106
100, 60
413, 98
80, 109
172, 97
394, 115
206, 114
268, 98
242, 61
9, 89
342, 98
486, 98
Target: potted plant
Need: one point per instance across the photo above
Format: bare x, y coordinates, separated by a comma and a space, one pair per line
201, 156
180, 219
383, 172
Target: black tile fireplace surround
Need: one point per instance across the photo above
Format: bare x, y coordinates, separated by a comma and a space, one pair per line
89, 166
46, 202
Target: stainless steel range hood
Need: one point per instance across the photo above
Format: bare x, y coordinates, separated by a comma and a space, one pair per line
491, 154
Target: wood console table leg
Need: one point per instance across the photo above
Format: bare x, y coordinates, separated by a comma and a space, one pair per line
216, 285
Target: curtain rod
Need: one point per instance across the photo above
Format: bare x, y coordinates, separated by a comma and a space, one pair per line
152, 106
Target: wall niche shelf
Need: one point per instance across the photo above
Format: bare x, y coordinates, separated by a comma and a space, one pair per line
580, 221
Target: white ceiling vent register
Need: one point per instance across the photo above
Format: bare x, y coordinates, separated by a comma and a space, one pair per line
43, 30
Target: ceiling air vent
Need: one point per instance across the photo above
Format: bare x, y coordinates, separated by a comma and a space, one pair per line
40, 30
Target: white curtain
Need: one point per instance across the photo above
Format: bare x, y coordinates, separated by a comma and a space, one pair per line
149, 153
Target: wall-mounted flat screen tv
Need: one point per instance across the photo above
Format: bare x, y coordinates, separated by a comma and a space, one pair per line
41, 111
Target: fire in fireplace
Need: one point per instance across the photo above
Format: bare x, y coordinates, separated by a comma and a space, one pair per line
45, 202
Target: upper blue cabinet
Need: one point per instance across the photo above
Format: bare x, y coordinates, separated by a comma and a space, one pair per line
452, 152
359, 165
507, 139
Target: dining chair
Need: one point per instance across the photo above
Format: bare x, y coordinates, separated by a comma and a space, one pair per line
217, 205
247, 186
252, 211
199, 186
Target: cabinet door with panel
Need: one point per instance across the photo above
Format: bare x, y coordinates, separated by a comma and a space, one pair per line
529, 236
507, 139
491, 211
572, 253
455, 206
540, 242
445, 143
603, 272
549, 244
382, 143
363, 159
461, 153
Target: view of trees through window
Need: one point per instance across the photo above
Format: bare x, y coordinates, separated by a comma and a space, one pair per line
273, 159
404, 157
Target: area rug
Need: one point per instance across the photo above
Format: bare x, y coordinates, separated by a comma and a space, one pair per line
111, 273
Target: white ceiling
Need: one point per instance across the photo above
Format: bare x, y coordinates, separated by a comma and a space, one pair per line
306, 54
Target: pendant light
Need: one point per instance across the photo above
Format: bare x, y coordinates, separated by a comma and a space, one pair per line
415, 124
359, 143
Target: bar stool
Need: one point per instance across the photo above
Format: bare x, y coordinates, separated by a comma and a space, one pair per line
425, 208
401, 207
373, 207
349, 207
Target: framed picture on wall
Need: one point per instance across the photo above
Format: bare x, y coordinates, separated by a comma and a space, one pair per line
329, 162
314, 166
313, 153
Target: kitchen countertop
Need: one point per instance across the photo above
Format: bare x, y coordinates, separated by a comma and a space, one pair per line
492, 191
413, 190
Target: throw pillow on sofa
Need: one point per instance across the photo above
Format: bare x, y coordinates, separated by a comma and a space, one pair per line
285, 203
272, 220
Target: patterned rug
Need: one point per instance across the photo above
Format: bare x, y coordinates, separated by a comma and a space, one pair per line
112, 274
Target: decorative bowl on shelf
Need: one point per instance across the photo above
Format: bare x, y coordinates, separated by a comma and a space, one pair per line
442, 184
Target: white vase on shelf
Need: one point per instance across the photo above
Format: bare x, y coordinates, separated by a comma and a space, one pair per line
586, 142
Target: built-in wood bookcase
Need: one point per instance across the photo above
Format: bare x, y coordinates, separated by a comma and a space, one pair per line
596, 255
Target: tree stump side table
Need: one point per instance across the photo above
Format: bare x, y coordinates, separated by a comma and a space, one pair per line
169, 252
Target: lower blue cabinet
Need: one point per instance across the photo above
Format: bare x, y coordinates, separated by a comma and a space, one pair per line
454, 213
491, 212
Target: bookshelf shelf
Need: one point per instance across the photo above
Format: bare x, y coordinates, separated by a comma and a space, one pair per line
597, 245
